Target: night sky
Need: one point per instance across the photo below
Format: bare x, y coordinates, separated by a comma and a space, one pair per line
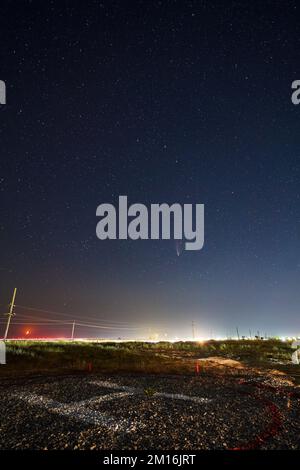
162, 101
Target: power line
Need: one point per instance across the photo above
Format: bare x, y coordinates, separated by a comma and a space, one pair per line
34, 319
39, 323
65, 314
37, 320
87, 325
70, 315
30, 319
109, 327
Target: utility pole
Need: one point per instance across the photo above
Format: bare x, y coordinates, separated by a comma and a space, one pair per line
238, 334
250, 334
73, 330
10, 313
193, 330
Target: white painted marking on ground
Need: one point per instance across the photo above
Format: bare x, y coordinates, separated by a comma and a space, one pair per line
112, 385
78, 411
179, 396
83, 411
175, 396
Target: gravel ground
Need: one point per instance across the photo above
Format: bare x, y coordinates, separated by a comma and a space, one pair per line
158, 413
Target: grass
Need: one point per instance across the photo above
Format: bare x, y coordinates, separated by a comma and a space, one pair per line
62, 356
163, 357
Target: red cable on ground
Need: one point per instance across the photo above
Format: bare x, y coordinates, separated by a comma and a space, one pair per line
276, 416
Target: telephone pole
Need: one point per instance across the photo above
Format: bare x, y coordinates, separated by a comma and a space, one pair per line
73, 330
238, 334
10, 313
193, 330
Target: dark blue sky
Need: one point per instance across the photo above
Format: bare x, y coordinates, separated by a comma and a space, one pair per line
163, 101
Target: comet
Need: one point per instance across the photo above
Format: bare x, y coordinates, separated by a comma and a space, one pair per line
178, 246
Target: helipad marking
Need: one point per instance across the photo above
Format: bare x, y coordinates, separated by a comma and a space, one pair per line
80, 410
112, 385
174, 396
180, 396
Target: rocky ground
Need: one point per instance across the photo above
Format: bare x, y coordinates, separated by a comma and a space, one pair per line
150, 412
